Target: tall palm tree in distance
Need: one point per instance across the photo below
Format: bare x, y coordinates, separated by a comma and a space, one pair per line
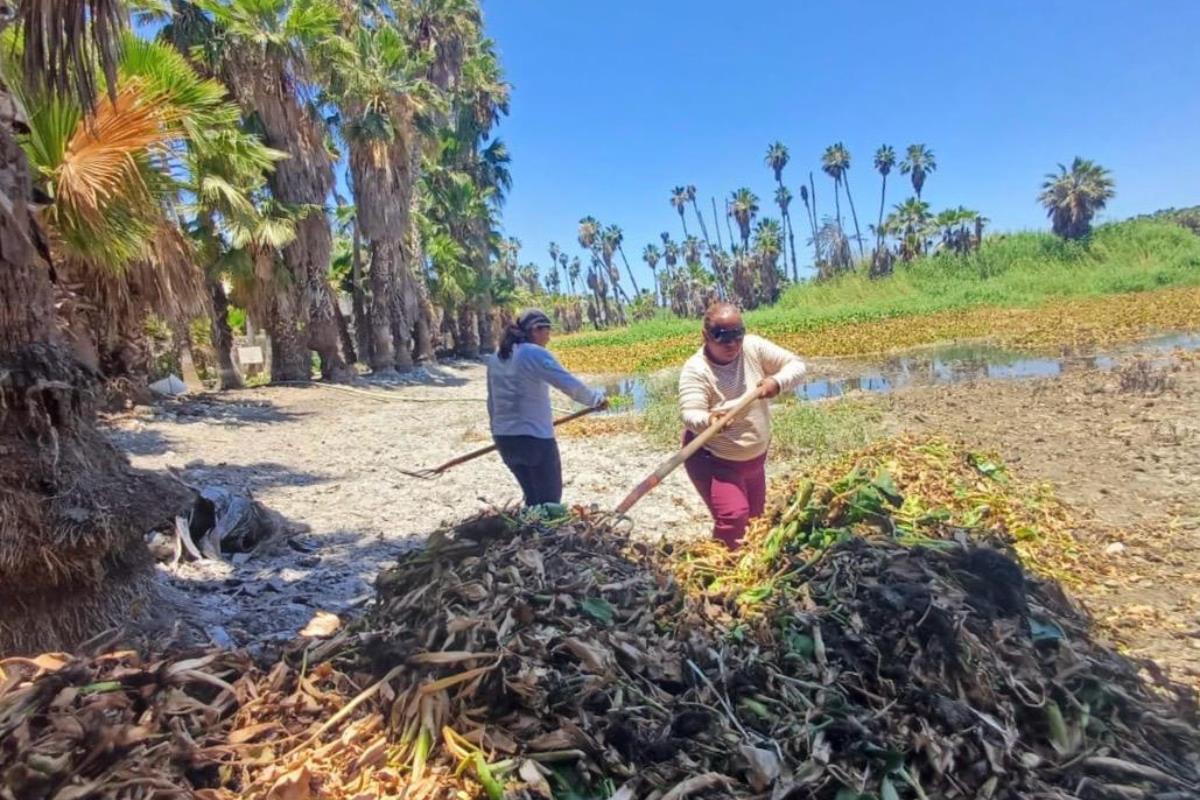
573, 272
836, 163
743, 207
831, 165
679, 201
589, 231
885, 159
777, 159
1073, 196
918, 162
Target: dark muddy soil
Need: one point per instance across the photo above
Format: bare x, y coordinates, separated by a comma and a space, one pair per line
1122, 446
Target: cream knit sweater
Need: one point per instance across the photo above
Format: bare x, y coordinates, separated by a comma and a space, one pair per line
705, 387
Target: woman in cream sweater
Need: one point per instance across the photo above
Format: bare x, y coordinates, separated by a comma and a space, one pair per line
730, 472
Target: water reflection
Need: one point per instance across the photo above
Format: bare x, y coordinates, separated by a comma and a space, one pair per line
945, 365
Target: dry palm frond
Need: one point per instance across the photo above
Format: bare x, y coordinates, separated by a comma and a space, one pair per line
105, 159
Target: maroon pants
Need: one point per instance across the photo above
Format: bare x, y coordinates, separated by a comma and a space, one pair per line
734, 491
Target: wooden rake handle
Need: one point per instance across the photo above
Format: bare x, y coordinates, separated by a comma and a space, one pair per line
483, 451
668, 466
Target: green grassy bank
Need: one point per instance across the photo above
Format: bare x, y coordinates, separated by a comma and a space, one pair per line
1014, 271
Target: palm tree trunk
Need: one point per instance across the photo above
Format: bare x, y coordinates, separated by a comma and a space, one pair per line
362, 325
74, 560
629, 270
787, 220
344, 333
466, 344
405, 309
383, 278
854, 215
487, 337
879, 227
222, 336
837, 202
683, 221
291, 359
729, 230
717, 223
812, 188
703, 227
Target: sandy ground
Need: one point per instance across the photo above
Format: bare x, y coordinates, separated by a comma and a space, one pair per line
329, 461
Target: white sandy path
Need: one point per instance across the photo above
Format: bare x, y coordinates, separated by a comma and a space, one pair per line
328, 460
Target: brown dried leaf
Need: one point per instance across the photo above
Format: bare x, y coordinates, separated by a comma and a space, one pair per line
294, 785
594, 657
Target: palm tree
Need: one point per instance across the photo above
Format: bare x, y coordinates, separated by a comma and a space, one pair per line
617, 236
75, 561
743, 207
380, 88
777, 159
911, 222
670, 261
834, 243
679, 201
885, 159
555, 252
1073, 196
918, 162
573, 272
836, 164
651, 255
589, 233
831, 166
480, 96
269, 45
122, 254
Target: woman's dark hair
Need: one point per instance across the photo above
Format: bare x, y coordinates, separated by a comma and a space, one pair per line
520, 332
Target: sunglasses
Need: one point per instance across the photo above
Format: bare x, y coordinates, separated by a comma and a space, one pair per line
727, 335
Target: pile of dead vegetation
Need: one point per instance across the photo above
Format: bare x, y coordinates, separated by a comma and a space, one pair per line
850, 652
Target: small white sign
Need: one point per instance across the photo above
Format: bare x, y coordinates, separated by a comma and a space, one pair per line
250, 355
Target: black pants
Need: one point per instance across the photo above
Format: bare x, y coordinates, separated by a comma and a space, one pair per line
535, 464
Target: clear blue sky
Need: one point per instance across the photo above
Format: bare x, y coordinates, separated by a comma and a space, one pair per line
615, 103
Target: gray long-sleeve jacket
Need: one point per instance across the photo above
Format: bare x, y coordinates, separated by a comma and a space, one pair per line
519, 391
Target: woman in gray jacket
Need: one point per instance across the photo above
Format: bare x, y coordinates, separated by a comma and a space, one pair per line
519, 376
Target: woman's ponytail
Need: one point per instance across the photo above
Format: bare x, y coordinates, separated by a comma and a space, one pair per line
513, 336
